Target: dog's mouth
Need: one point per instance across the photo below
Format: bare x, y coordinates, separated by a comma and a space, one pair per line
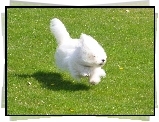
86, 66
101, 64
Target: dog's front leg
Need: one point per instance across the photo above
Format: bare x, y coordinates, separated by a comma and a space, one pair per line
96, 75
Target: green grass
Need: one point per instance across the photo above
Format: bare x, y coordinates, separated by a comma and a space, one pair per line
35, 86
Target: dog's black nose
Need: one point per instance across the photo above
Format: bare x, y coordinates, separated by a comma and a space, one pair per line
103, 60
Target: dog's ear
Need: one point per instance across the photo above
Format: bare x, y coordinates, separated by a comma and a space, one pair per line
88, 41
82, 37
84, 40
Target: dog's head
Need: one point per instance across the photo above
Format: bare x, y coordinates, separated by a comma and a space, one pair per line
91, 53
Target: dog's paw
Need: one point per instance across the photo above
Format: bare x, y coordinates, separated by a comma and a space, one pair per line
94, 80
85, 75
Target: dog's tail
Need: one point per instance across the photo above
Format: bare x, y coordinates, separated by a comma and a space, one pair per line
59, 30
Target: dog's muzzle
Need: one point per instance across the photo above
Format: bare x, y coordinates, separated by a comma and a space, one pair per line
103, 62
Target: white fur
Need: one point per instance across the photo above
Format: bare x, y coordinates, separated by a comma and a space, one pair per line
81, 57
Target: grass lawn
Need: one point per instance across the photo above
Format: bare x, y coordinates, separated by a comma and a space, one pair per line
35, 86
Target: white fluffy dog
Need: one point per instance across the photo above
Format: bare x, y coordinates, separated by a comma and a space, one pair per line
82, 57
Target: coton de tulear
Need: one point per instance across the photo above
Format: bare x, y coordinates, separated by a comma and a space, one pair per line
82, 57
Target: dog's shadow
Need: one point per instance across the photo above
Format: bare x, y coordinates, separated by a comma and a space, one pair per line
54, 81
